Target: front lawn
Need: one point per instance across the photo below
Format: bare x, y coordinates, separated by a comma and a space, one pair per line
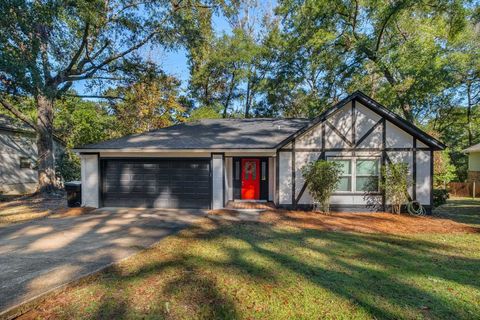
287, 268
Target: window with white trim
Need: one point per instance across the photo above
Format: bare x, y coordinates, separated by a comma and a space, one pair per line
358, 174
366, 174
345, 183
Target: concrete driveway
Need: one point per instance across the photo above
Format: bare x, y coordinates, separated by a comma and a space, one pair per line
40, 255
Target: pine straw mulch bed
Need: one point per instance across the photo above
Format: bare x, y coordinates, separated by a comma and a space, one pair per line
377, 222
33, 207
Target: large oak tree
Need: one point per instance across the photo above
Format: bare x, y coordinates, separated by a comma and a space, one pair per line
48, 45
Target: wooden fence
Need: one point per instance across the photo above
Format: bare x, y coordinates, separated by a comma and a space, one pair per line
464, 189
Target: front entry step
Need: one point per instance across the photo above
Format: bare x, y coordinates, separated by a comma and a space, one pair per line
250, 205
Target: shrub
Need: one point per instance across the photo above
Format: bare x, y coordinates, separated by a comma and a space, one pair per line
395, 183
440, 197
68, 166
322, 178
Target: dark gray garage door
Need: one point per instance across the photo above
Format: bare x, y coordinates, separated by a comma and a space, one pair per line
156, 183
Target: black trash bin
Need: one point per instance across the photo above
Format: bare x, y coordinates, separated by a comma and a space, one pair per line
74, 193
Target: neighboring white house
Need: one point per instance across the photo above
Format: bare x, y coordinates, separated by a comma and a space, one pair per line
473, 162
18, 157
205, 164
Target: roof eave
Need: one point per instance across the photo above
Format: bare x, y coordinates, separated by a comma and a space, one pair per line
165, 150
376, 107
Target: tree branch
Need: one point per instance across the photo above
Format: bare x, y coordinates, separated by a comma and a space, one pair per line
17, 113
121, 54
79, 51
94, 96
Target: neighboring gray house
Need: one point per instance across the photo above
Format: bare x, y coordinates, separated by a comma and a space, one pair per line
18, 156
206, 164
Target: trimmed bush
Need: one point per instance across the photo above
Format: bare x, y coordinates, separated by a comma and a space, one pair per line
322, 178
440, 197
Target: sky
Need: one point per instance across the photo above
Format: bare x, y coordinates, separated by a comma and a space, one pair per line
172, 62
175, 63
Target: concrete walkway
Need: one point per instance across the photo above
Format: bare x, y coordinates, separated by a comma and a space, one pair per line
38, 256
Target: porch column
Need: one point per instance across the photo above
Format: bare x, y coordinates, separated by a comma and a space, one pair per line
90, 180
218, 192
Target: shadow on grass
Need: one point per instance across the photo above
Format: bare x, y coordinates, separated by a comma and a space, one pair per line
461, 210
379, 275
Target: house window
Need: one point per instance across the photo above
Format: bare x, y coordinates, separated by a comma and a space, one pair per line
345, 184
25, 163
250, 170
358, 174
264, 171
366, 175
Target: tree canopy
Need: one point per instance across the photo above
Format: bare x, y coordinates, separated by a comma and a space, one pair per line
293, 58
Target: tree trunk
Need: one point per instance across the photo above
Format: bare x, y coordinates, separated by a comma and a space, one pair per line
247, 100
469, 114
229, 96
46, 164
406, 108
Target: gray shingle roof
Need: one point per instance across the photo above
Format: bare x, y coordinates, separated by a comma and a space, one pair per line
256, 133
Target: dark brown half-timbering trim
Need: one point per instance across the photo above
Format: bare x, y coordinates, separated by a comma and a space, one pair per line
277, 178
320, 157
345, 139
320, 119
414, 169
370, 131
431, 176
354, 123
293, 172
305, 185
375, 107
384, 159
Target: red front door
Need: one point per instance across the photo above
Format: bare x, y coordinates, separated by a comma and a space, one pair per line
250, 179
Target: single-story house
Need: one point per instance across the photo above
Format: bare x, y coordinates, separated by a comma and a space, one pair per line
18, 157
473, 162
207, 163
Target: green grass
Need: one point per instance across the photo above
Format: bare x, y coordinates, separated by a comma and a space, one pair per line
464, 210
261, 271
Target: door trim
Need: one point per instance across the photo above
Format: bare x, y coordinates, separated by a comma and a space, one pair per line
236, 184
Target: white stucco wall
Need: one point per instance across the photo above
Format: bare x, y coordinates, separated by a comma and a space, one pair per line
397, 138
217, 181
311, 139
423, 185
271, 179
342, 120
301, 160
365, 120
90, 180
285, 178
